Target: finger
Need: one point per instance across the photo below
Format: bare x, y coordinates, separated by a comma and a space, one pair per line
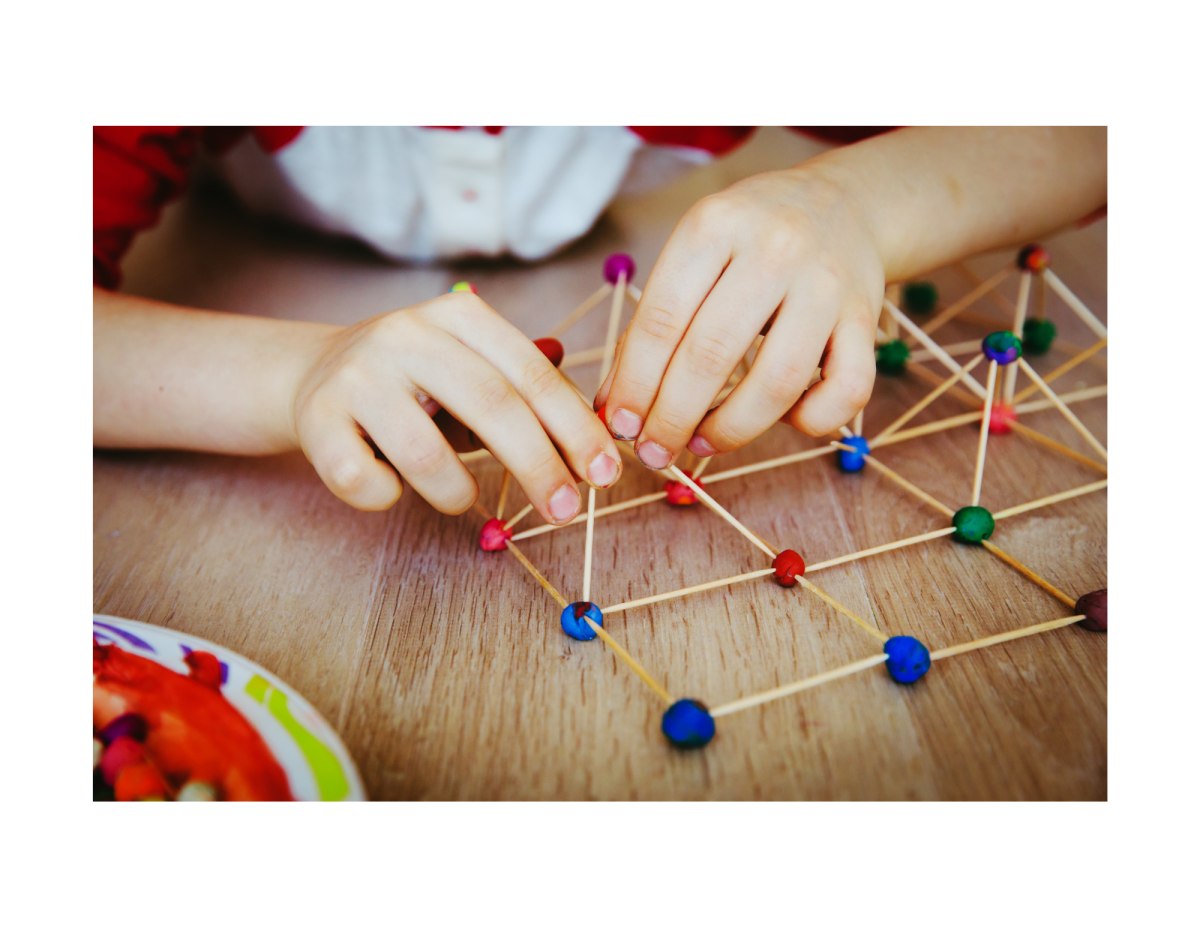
587, 447
846, 379
688, 268
334, 444
782, 368
415, 446
719, 336
479, 396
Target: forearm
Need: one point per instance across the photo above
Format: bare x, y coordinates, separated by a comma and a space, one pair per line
935, 195
164, 376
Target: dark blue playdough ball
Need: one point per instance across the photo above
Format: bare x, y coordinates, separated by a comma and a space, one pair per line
687, 723
852, 461
573, 623
908, 658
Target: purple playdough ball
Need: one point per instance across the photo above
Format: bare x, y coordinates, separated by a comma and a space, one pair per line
617, 263
1095, 606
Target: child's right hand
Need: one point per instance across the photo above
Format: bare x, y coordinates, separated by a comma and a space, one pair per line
385, 378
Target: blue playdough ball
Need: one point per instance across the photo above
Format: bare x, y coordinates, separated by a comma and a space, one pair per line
573, 623
852, 461
908, 658
687, 723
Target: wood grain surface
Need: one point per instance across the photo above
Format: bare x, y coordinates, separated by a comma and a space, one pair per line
444, 668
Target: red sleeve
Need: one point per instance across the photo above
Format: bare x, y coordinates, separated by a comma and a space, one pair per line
843, 135
717, 140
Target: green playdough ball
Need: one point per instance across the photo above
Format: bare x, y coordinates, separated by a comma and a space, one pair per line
920, 297
973, 524
1037, 335
891, 356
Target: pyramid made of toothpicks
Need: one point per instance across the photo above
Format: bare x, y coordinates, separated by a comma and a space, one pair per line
987, 382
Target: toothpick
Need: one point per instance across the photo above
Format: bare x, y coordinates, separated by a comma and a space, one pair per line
984, 428
954, 350
1062, 407
839, 607
889, 324
1060, 370
516, 518
957, 307
1006, 636
1075, 303
701, 467
1054, 445
881, 549
1018, 331
901, 481
713, 504
944, 425
1041, 297
858, 423
935, 379
587, 545
1050, 500
1079, 395
633, 292
545, 584
579, 358
949, 362
663, 596
479, 509
993, 294
503, 494
1066, 347
768, 464
469, 456
920, 406
1028, 573
614, 324
600, 513
771, 694
581, 310
630, 662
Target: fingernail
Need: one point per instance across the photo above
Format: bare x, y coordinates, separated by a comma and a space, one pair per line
626, 425
654, 456
700, 447
602, 470
564, 504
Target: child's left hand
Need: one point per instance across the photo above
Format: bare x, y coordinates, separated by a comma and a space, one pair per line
791, 250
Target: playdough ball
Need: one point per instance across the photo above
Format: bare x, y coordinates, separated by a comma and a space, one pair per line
617, 263
122, 752
1095, 606
973, 524
1001, 419
891, 356
853, 461
1002, 347
573, 623
197, 791
127, 725
1033, 257
493, 534
140, 782
908, 658
680, 493
919, 297
464, 287
1037, 335
552, 348
789, 566
687, 723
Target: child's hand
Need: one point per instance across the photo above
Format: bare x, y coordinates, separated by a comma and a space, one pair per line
384, 378
789, 250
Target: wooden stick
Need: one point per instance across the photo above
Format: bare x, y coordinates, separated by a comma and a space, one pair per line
1006, 636
1066, 347
936, 380
600, 513
1060, 370
503, 495
1092, 392
614, 325
545, 584
1028, 573
839, 607
858, 423
701, 467
881, 549
1075, 303
469, 456
949, 362
587, 545
920, 406
984, 428
590, 356
1040, 309
1018, 331
1062, 407
889, 324
581, 310
947, 423
1054, 445
769, 464
1050, 500
630, 662
958, 306
954, 350
715, 506
993, 294
901, 481
479, 509
771, 694
663, 596
516, 518
634, 292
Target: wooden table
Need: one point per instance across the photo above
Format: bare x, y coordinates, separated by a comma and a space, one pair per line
443, 667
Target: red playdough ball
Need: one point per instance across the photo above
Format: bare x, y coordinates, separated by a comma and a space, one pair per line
494, 534
139, 781
679, 493
1033, 257
1095, 606
122, 752
1002, 418
552, 348
789, 566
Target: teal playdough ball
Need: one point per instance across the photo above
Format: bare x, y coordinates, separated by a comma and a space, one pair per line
973, 524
